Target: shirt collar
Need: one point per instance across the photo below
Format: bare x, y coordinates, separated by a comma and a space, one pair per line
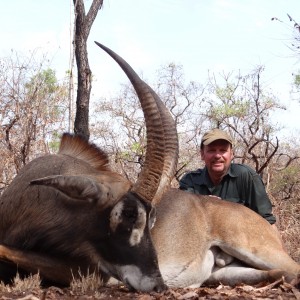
231, 171
205, 178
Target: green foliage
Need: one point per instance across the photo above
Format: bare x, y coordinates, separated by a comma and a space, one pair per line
297, 81
44, 81
46, 94
54, 142
125, 155
225, 93
137, 148
33, 105
238, 109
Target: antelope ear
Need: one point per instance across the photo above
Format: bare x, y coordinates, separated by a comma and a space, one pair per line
78, 187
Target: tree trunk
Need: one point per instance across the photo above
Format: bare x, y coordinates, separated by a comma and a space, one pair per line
83, 24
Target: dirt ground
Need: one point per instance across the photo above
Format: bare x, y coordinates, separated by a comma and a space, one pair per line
276, 290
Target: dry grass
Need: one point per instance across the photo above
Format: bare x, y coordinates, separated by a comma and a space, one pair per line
288, 223
86, 284
82, 290
22, 285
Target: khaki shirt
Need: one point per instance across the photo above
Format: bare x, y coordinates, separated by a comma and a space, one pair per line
241, 185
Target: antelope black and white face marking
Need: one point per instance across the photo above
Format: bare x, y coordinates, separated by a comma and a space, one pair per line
132, 215
116, 216
129, 250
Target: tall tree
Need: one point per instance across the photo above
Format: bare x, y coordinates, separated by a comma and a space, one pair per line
296, 33
235, 102
295, 29
83, 24
245, 108
33, 107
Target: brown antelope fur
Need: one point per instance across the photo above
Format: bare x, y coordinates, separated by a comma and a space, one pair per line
77, 147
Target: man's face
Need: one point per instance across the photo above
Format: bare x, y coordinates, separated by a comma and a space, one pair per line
217, 157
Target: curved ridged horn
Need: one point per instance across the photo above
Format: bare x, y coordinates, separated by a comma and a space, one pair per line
162, 142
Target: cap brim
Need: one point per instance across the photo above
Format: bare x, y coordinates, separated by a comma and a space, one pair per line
211, 140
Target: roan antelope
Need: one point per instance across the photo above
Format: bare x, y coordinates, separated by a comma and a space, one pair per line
68, 213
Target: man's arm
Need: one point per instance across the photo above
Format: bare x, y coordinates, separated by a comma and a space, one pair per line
259, 200
186, 183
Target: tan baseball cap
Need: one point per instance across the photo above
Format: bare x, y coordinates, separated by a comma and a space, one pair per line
215, 134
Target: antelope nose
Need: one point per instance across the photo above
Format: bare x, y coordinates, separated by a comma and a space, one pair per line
160, 287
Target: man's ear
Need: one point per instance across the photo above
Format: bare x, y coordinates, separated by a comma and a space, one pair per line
232, 153
202, 153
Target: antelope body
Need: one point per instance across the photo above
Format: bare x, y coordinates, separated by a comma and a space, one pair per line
69, 214
202, 239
